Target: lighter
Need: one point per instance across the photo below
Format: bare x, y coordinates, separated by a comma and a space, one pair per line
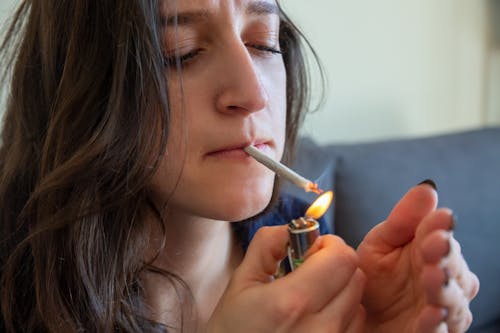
303, 231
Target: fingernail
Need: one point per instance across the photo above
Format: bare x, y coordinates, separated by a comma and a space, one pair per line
453, 222
446, 272
429, 182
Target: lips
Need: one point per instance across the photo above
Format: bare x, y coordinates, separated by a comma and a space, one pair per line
236, 150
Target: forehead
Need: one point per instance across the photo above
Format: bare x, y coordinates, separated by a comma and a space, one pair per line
201, 8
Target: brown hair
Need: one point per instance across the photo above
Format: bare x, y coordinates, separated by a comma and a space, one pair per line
87, 96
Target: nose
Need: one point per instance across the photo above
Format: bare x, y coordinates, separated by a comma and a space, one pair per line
241, 87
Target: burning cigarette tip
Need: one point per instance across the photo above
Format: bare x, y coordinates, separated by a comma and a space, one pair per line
313, 187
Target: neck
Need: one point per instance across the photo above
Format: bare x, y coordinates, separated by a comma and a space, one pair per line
203, 253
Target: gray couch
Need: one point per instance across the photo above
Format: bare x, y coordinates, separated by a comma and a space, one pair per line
369, 178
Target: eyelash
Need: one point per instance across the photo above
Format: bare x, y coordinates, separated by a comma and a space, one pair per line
171, 61
264, 48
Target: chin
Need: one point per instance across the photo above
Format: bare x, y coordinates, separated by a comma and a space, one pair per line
241, 207
227, 202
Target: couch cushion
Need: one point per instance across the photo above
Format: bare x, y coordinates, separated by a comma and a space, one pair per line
370, 178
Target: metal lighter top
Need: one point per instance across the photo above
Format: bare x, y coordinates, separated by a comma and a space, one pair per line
303, 232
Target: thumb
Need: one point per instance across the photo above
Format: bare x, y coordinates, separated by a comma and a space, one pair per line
266, 250
402, 222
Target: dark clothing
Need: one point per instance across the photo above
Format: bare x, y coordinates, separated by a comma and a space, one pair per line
287, 208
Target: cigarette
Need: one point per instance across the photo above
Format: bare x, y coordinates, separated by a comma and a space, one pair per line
283, 170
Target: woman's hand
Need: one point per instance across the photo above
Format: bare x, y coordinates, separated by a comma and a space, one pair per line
322, 295
417, 279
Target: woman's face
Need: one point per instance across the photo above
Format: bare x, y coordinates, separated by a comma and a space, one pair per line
232, 93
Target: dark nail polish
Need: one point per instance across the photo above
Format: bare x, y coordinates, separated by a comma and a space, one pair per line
446, 272
453, 222
429, 182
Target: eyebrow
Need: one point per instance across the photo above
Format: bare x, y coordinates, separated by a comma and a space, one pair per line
262, 8
190, 17
186, 18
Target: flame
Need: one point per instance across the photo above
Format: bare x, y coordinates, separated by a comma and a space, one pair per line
320, 205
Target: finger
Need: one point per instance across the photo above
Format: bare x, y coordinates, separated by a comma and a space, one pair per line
266, 250
459, 270
440, 219
400, 226
440, 247
321, 277
433, 280
432, 320
357, 324
436, 246
443, 291
344, 308
474, 289
440, 288
342, 311
459, 315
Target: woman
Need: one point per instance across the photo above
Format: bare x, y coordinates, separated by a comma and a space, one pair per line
122, 162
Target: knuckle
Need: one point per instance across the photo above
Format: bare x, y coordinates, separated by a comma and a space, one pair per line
469, 283
263, 233
468, 320
475, 286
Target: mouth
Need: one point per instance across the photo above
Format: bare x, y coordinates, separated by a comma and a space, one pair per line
236, 151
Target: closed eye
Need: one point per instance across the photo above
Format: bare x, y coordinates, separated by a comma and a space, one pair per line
171, 61
183, 59
264, 48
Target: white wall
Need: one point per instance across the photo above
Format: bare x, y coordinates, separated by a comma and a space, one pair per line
397, 68
6, 9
